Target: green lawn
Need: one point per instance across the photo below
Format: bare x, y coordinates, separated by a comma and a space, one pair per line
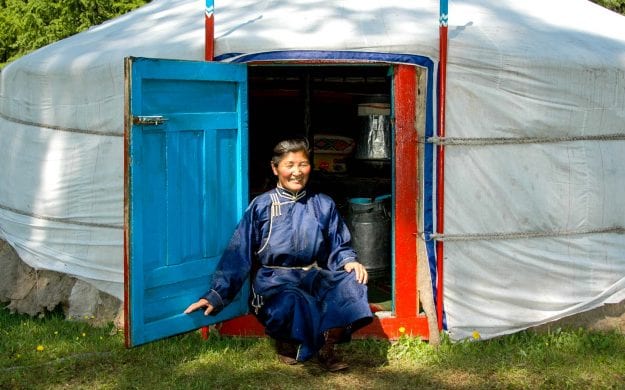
74, 355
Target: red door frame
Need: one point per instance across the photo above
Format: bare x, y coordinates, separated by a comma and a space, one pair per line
406, 319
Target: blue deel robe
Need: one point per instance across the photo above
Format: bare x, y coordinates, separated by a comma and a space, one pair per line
297, 246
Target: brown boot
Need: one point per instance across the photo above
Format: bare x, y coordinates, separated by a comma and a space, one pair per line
287, 352
328, 358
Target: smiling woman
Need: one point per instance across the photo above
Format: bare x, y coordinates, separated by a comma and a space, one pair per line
308, 289
291, 168
559, 81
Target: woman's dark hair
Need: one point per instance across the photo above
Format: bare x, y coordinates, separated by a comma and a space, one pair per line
289, 146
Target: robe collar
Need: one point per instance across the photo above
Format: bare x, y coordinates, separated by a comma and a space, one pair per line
289, 195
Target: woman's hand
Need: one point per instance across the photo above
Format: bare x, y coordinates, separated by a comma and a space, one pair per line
202, 303
361, 272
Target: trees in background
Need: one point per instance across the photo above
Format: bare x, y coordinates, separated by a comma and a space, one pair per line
26, 25
614, 5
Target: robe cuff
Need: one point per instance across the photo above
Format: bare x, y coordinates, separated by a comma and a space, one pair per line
214, 299
341, 265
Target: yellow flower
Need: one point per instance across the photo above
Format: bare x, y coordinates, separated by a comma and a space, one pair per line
402, 330
84, 334
56, 332
475, 335
39, 348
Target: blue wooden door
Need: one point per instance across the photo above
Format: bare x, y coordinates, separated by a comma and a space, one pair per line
186, 188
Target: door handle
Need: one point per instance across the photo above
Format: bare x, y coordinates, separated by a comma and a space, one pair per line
151, 120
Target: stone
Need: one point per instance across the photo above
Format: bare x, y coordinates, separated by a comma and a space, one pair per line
9, 261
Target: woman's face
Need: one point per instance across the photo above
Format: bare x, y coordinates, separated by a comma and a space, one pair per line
293, 171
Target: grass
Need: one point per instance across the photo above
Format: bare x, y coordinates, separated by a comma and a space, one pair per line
74, 355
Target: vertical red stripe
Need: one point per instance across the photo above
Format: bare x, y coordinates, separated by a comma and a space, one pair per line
406, 192
127, 124
440, 196
209, 38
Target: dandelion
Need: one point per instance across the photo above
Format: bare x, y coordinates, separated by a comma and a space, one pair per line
40, 348
84, 334
402, 330
475, 335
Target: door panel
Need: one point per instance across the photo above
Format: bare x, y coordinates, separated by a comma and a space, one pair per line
186, 188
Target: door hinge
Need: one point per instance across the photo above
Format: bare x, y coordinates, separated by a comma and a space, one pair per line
149, 120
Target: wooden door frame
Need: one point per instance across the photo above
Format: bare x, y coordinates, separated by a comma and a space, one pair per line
406, 317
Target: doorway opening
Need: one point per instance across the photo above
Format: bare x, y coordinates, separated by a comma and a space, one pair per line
345, 111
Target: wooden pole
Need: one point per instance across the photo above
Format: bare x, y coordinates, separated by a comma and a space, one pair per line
440, 197
209, 31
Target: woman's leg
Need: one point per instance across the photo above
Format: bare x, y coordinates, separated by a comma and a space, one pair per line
293, 316
344, 302
345, 309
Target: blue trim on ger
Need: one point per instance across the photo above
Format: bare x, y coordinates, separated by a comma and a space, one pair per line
412, 59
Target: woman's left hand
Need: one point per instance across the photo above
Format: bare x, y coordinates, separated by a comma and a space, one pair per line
361, 272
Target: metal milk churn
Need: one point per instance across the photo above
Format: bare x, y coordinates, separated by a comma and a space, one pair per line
369, 223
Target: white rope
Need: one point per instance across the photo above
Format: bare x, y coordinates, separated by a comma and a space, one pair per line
61, 220
109, 133
518, 235
477, 141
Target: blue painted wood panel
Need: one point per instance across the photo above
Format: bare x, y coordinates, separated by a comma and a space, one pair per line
187, 187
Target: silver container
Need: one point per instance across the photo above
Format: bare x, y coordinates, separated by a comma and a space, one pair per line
370, 226
374, 132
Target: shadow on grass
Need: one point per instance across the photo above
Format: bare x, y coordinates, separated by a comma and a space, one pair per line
76, 355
